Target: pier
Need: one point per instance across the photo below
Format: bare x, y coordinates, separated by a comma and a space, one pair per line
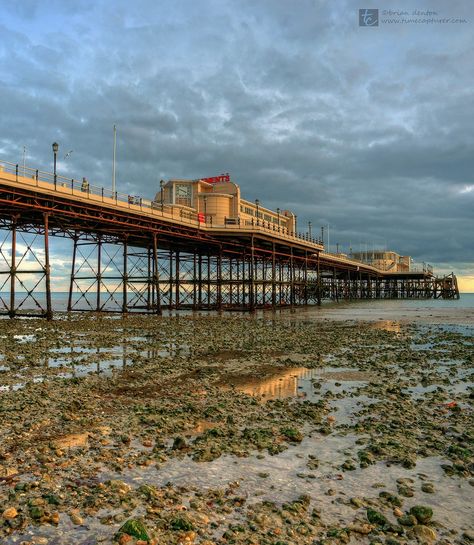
131, 254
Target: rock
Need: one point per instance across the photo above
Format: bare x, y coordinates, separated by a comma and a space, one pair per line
361, 528
134, 528
428, 488
10, 513
73, 440
375, 517
422, 513
179, 443
357, 502
55, 517
181, 523
407, 520
398, 512
39, 540
119, 486
392, 541
405, 491
292, 434
36, 512
76, 519
424, 533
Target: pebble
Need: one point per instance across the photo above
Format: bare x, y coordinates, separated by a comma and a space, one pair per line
76, 519
424, 533
428, 488
10, 513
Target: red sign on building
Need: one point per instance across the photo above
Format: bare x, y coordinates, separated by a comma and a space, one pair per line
217, 179
201, 218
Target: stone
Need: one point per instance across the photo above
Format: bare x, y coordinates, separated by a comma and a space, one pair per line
422, 513
427, 488
179, 443
76, 519
363, 529
375, 517
357, 502
10, 513
424, 533
36, 512
134, 528
405, 491
407, 520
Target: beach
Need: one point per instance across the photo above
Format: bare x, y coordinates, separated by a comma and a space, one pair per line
346, 423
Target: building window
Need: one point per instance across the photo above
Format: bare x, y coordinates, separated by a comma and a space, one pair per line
182, 194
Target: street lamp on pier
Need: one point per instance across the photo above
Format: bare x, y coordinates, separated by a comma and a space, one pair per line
278, 214
296, 228
310, 231
257, 204
55, 154
162, 183
205, 208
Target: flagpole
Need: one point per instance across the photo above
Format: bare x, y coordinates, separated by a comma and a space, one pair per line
113, 162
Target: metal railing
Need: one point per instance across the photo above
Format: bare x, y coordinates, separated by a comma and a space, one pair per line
70, 186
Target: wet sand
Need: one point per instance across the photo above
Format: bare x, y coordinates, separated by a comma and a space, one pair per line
316, 426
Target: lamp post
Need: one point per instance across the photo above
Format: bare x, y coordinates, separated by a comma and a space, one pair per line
278, 215
55, 153
310, 232
162, 183
296, 228
257, 204
322, 235
205, 208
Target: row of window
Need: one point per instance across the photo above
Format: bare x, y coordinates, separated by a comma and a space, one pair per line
260, 215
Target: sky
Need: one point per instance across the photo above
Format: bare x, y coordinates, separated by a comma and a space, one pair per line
367, 129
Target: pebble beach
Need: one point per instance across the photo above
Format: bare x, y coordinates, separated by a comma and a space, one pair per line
349, 423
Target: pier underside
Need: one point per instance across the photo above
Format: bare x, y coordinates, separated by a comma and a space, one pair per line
154, 267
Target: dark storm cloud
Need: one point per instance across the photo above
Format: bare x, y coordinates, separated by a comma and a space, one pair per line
369, 130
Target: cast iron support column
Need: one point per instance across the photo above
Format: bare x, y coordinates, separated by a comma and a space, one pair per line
200, 280
156, 278
319, 283
170, 300
219, 280
306, 278
252, 275
208, 280
73, 268
273, 277
150, 287
99, 271
231, 282
177, 278
47, 269
194, 280
12, 311
292, 279
125, 275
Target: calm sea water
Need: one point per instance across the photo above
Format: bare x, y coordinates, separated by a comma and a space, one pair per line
60, 299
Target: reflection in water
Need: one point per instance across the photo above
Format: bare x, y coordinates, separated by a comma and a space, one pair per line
297, 382
387, 325
79, 358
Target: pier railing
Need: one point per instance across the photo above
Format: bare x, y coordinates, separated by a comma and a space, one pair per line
84, 189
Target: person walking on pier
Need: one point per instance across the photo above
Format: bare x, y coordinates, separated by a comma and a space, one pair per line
84, 185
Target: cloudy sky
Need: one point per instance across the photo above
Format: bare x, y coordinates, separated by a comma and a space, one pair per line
369, 129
